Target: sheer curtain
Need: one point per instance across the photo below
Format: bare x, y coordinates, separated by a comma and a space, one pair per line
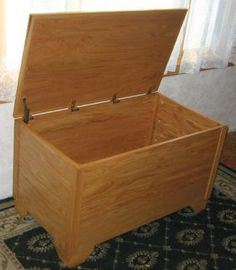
205, 40
210, 35
13, 23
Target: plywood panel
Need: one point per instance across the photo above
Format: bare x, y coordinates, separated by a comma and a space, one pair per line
90, 56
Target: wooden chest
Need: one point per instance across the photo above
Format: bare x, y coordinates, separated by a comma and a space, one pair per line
104, 152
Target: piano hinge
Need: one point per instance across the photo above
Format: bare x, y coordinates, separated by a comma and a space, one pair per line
73, 107
27, 116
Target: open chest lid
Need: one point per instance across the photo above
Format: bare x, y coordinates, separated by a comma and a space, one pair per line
88, 57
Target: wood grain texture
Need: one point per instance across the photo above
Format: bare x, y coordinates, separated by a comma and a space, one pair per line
90, 56
137, 187
216, 161
228, 158
98, 200
105, 130
174, 120
21, 209
100, 131
46, 179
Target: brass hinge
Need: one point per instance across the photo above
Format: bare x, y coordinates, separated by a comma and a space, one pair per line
115, 99
27, 116
73, 107
149, 92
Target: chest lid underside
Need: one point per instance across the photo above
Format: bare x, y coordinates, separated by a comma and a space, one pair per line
87, 57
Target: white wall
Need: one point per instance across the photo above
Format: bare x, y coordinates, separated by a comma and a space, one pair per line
6, 150
211, 92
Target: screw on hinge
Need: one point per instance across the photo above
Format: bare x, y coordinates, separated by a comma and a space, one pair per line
115, 99
26, 116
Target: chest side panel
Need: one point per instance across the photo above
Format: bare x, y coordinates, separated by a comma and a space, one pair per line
123, 193
44, 183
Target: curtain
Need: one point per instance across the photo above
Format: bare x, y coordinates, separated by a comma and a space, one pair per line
14, 16
210, 35
205, 40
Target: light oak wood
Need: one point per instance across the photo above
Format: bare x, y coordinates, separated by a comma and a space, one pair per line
89, 175
94, 201
88, 57
101, 131
174, 120
104, 130
218, 153
21, 209
46, 179
150, 182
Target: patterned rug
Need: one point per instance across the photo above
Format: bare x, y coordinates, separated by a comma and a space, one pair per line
181, 241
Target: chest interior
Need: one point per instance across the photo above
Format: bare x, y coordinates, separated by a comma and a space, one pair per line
101, 131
